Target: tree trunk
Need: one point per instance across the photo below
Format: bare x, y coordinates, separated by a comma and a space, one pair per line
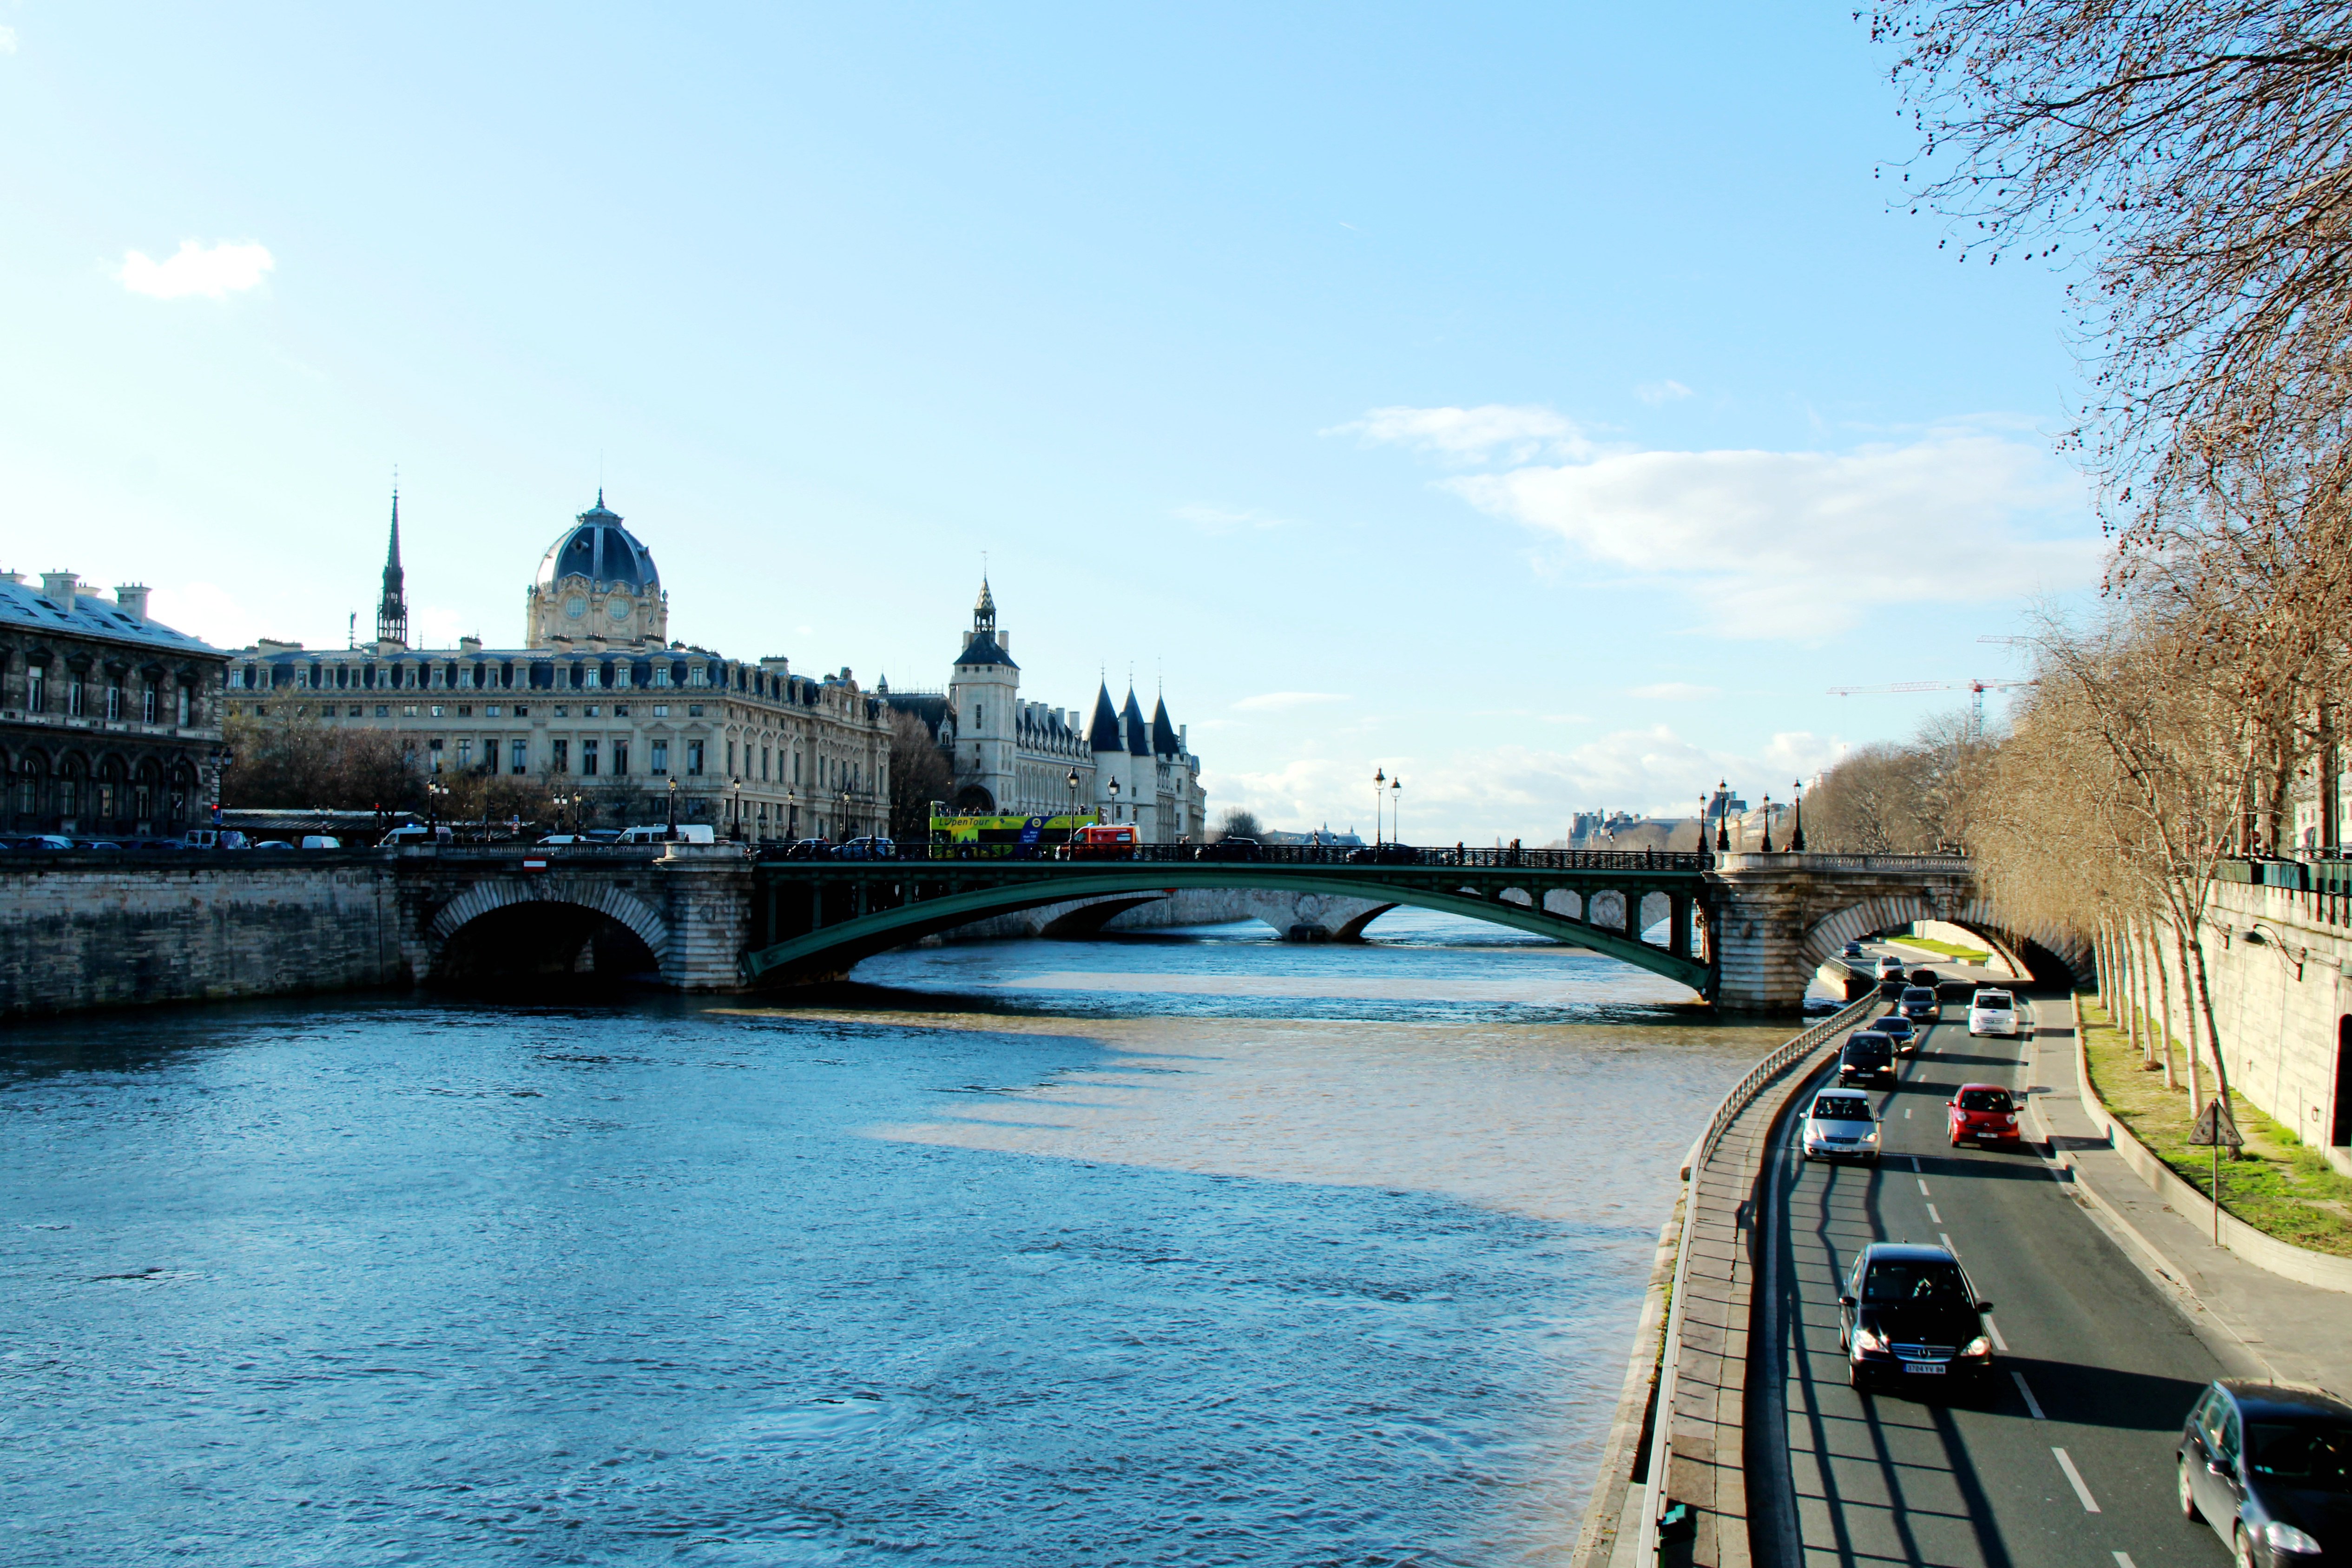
2212, 1028
2188, 1012
2164, 999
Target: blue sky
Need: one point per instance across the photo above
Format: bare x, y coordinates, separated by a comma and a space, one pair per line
1542, 403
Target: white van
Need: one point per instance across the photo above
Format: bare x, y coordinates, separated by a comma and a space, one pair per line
415, 833
688, 833
322, 841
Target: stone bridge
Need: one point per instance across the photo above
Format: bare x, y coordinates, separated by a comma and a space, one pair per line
1746, 931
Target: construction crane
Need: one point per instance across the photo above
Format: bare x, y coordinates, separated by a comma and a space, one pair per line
1975, 688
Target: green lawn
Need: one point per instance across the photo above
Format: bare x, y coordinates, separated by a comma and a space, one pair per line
1949, 949
2276, 1185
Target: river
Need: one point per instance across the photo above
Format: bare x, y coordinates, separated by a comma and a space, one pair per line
1195, 1248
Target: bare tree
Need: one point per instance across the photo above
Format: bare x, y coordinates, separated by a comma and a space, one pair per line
920, 775
1238, 823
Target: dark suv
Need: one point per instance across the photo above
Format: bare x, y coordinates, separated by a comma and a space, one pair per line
1910, 1313
1868, 1059
1920, 1004
2269, 1467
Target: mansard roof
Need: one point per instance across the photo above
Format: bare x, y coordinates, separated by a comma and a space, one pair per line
982, 648
1164, 742
1102, 734
1138, 734
598, 548
79, 612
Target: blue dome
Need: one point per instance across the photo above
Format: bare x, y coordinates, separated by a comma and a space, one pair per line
600, 550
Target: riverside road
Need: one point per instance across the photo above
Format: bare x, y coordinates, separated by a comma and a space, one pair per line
2067, 1459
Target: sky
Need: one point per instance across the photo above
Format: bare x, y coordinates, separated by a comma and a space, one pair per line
1545, 406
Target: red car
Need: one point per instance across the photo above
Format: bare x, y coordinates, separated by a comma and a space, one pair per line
1984, 1112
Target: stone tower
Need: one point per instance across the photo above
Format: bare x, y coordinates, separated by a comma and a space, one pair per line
984, 696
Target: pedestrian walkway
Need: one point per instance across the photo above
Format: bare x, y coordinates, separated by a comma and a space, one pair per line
2256, 1323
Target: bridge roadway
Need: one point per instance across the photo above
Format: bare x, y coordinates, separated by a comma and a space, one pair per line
2068, 1460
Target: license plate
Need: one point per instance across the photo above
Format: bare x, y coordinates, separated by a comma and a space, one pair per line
1928, 1366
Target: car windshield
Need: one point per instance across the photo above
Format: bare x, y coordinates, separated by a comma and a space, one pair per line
1918, 994
1995, 1001
1841, 1108
1984, 1099
1916, 1283
2309, 1455
1892, 1024
1867, 1051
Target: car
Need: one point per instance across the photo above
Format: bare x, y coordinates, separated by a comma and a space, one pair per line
416, 835
1893, 986
1920, 1004
1910, 1312
1867, 1057
2269, 1467
809, 850
1898, 1028
1231, 847
654, 833
322, 841
1106, 841
1384, 854
1992, 1013
1841, 1126
1890, 968
215, 838
273, 844
1983, 1113
1855, 950
1926, 977
41, 841
871, 846
95, 843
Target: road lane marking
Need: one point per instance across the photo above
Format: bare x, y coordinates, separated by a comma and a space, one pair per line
1907, 1113
1923, 1188
2123, 1560
1946, 1237
1994, 1329
2032, 1403
1915, 1164
1933, 1218
2090, 1503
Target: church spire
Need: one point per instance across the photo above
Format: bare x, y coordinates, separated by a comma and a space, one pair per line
391, 609
983, 614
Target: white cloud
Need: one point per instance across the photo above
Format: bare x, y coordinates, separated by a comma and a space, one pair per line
8, 40
207, 610
1224, 520
1655, 392
1674, 691
1796, 544
215, 272
1282, 702
1516, 434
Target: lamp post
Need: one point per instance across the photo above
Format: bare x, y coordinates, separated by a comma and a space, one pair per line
1071, 836
1379, 779
1768, 825
669, 828
433, 794
735, 809
1723, 817
1797, 828
1114, 800
1396, 811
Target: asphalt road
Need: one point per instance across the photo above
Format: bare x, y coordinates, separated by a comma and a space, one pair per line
2066, 1457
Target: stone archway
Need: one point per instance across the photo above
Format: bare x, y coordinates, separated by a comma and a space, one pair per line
1827, 937
574, 908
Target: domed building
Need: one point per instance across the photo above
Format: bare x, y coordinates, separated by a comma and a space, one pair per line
596, 583
598, 706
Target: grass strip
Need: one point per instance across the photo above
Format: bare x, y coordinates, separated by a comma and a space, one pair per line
2277, 1184
1949, 949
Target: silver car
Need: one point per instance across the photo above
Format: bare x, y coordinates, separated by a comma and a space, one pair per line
1992, 1013
1841, 1125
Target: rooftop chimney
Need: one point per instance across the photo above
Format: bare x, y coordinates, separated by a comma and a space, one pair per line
131, 598
57, 587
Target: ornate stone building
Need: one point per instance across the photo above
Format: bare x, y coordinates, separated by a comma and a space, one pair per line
598, 704
1012, 756
109, 723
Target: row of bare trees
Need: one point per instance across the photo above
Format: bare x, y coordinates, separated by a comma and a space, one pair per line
2191, 166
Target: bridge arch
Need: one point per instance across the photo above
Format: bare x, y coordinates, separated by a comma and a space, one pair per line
508, 925
2030, 949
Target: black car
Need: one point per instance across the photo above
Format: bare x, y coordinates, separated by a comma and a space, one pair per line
1893, 986
1868, 1057
809, 850
1926, 977
1232, 848
1909, 1314
1384, 854
2269, 1467
1896, 1027
1920, 1004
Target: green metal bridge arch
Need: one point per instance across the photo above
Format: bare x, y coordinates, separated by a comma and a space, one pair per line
814, 920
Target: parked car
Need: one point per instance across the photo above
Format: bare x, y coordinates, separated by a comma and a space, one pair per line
40, 841
1868, 1057
1841, 1126
810, 850
2269, 1467
215, 838
1855, 950
1920, 1004
1992, 1013
95, 843
558, 840
1910, 1312
1899, 1029
1231, 848
1983, 1113
1926, 977
658, 833
322, 841
871, 846
413, 834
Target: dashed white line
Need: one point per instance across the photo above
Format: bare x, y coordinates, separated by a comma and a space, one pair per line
1946, 1237
2033, 1405
2090, 1503
1994, 1329
1933, 1218
1915, 1164
1907, 1113
2123, 1560
1923, 1188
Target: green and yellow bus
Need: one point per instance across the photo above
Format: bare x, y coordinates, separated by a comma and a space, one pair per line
1014, 837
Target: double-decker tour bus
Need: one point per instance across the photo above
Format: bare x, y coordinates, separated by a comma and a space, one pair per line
1009, 837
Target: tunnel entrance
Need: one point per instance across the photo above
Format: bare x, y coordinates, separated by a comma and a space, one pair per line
543, 946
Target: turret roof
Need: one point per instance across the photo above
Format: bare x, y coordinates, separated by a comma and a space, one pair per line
982, 648
1138, 734
1102, 733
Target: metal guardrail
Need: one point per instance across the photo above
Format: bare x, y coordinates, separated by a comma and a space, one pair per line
1728, 1109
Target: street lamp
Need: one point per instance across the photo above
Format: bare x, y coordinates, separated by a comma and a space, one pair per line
735, 808
1070, 835
1797, 828
1723, 815
1768, 825
1379, 777
1114, 800
1396, 811
669, 832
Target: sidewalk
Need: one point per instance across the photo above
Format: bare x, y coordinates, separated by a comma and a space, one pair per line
2259, 1324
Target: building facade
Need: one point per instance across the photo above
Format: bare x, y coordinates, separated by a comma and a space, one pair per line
597, 705
109, 723
1012, 756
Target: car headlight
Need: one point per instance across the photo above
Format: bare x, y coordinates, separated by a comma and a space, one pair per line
1978, 1346
1864, 1340
2287, 1538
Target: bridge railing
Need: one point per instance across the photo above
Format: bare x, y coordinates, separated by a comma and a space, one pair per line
1460, 856
1808, 860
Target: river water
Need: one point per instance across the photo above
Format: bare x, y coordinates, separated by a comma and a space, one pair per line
1189, 1248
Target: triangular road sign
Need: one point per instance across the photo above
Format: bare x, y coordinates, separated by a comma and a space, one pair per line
2216, 1125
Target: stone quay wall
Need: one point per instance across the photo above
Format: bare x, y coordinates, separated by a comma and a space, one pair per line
2279, 1001
101, 929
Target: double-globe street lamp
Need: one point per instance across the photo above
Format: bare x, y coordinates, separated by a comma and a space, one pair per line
1380, 780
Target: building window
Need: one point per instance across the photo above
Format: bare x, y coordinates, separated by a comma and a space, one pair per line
437, 710
518, 757
620, 710
73, 694
661, 674
408, 711
491, 711
694, 759
433, 754
661, 758
465, 755
37, 689
464, 709
381, 711
562, 762
696, 675
113, 703
693, 709
590, 711
731, 759
796, 767
763, 764
588, 757
522, 710
620, 757
185, 697
661, 710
